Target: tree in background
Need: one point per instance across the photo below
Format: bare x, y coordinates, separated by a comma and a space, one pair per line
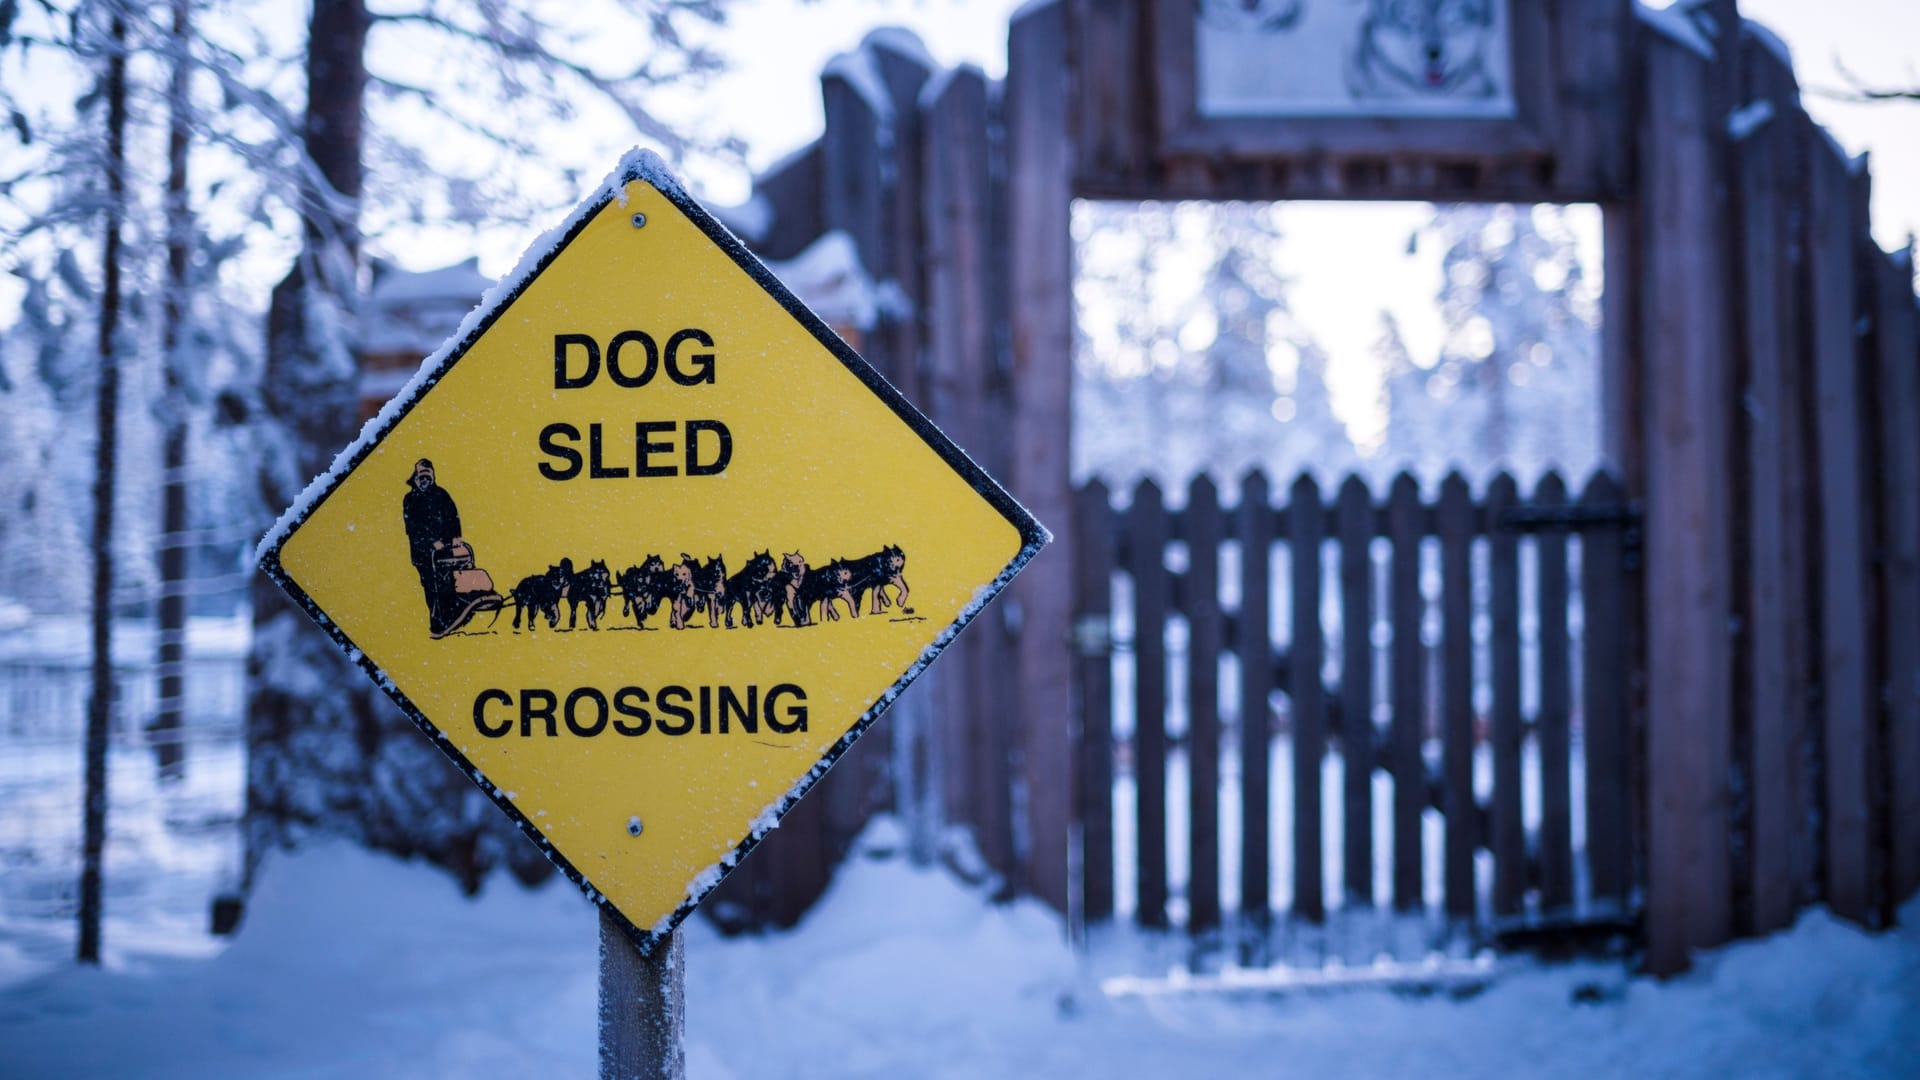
186, 337
1266, 376
1123, 347
1514, 383
62, 354
223, 179
325, 749
1189, 357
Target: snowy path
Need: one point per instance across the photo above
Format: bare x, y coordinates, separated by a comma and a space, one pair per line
354, 964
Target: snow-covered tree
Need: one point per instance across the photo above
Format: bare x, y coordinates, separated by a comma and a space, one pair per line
1514, 385
43, 488
1190, 358
179, 344
325, 749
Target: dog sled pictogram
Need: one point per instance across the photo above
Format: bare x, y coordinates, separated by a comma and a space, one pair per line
786, 589
470, 589
766, 590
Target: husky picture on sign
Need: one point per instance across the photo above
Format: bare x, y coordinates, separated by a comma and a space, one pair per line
695, 592
1443, 58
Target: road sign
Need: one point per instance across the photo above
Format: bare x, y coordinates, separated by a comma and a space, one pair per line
646, 548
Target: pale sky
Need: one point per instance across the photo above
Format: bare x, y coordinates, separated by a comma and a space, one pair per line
1346, 261
1878, 41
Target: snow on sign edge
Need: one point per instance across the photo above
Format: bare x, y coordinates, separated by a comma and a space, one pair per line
643, 165
635, 164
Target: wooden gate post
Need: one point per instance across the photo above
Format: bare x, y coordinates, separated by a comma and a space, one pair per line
1686, 457
1843, 662
1040, 289
955, 220
1898, 342
1779, 861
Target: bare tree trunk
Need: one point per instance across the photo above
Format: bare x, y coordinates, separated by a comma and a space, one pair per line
169, 751
100, 701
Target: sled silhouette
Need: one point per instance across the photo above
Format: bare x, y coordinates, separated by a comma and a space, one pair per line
473, 590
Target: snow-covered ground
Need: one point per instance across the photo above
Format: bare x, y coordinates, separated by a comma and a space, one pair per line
354, 964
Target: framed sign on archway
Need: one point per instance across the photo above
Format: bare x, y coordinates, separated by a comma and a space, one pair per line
1398, 99
1297, 58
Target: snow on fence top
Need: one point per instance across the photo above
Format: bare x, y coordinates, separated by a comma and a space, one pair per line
860, 72
1678, 24
829, 278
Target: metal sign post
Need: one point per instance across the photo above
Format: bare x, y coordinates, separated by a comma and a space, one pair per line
704, 509
643, 1007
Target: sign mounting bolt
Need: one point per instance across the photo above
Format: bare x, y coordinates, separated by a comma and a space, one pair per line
639, 220
634, 828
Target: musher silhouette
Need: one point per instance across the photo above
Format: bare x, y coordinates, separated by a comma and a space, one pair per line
433, 525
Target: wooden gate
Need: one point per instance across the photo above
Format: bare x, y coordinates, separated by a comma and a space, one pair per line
1451, 673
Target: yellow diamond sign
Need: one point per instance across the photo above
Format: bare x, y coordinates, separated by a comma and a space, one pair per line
646, 548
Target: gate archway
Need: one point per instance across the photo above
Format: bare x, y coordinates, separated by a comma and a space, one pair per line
1761, 384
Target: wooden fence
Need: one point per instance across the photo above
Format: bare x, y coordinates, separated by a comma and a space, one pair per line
1779, 463
1402, 596
909, 172
1761, 395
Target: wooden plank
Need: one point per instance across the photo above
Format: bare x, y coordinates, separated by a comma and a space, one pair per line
1174, 65
998, 723
1306, 519
858, 787
1603, 710
1843, 658
788, 872
1774, 692
861, 159
1112, 102
1405, 521
1377, 174
1146, 564
851, 183
1254, 645
1207, 631
1556, 694
1040, 292
1509, 838
989, 752
953, 235
1686, 396
1725, 95
1533, 78
1593, 147
904, 72
1800, 590
1866, 256
796, 865
1455, 526
1899, 402
956, 394
1355, 529
792, 190
1093, 669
